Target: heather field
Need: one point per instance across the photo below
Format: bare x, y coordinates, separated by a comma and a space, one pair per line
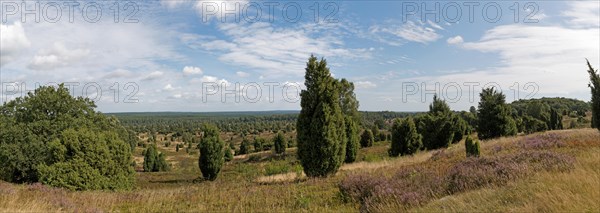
550, 171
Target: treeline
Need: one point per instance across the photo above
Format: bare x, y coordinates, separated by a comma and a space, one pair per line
179, 123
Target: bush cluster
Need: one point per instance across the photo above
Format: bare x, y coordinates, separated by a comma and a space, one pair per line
51, 137
472, 147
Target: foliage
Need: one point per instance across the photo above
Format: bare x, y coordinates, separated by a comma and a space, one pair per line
555, 120
559, 104
349, 106
595, 89
54, 138
352, 142
439, 125
320, 126
228, 154
494, 115
405, 138
280, 143
211, 153
366, 138
244, 147
530, 125
153, 161
258, 144
472, 147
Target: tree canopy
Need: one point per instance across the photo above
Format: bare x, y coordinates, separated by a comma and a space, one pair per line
54, 138
321, 135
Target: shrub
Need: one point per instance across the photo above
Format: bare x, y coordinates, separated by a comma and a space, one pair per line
211, 153
416, 185
474, 173
162, 164
244, 147
532, 125
228, 154
405, 139
472, 147
358, 188
280, 143
258, 144
51, 137
366, 138
153, 161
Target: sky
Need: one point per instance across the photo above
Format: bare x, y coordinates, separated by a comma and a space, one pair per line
199, 56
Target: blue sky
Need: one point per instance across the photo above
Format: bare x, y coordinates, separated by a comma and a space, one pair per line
182, 55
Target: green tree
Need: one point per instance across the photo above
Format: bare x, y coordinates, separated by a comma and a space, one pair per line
280, 143
366, 138
595, 88
494, 115
211, 153
161, 163
48, 136
440, 125
150, 156
555, 120
244, 147
320, 125
375, 132
154, 161
349, 106
258, 144
531, 124
352, 142
405, 138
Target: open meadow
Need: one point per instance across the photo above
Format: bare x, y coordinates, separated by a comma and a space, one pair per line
566, 179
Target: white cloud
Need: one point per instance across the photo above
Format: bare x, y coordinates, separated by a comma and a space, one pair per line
397, 34
210, 79
365, 85
153, 76
455, 40
12, 42
277, 51
192, 71
173, 3
583, 13
168, 87
434, 25
242, 74
552, 57
58, 56
119, 73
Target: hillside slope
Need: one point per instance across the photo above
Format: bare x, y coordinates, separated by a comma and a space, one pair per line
237, 190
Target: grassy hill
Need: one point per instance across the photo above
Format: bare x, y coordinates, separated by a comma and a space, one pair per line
565, 178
